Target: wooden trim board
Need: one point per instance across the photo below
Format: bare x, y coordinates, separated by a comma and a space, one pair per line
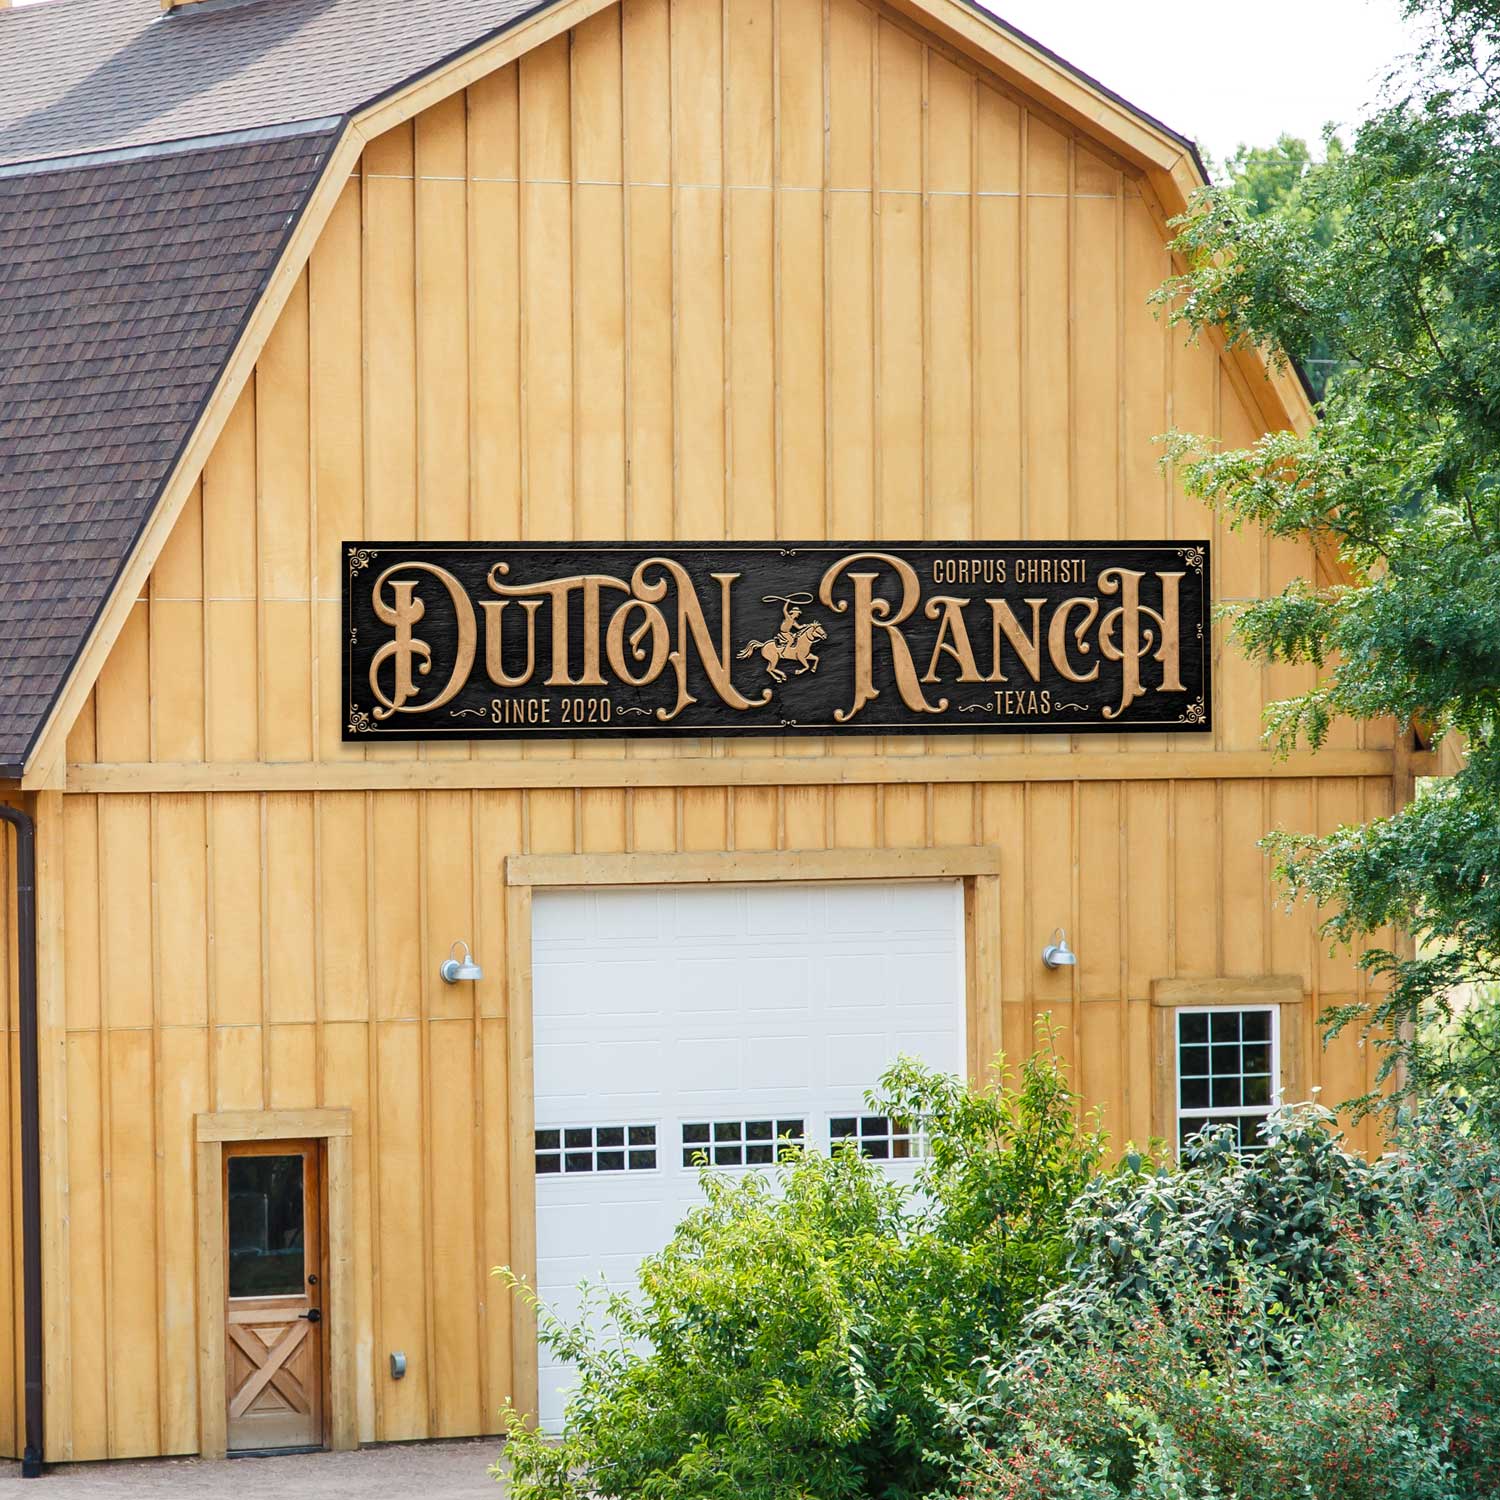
146, 777
274, 1124
1257, 989
778, 865
335, 1128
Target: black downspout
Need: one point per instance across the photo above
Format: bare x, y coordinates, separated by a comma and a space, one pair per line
31, 1142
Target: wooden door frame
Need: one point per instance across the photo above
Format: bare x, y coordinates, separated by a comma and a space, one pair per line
333, 1129
976, 866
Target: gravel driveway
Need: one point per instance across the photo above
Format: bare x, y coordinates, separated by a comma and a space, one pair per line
424, 1471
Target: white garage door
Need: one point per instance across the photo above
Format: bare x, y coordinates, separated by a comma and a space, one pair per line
673, 1020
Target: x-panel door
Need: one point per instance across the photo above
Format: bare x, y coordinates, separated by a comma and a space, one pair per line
273, 1371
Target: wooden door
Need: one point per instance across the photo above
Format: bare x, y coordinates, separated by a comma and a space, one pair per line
273, 1368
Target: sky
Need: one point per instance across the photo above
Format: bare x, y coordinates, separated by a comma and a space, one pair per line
1223, 73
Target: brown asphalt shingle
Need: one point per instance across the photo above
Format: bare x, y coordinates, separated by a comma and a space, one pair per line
122, 292
95, 75
124, 283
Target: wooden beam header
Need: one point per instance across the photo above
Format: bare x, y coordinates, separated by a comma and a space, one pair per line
695, 771
751, 867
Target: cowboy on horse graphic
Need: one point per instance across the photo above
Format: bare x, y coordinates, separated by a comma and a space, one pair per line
793, 642
791, 612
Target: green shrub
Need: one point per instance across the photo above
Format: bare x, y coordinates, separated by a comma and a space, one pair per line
1283, 1210
807, 1339
1150, 1414
1348, 1350
1422, 1318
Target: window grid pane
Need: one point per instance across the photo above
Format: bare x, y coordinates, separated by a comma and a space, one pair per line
595, 1148
1226, 1066
741, 1143
879, 1137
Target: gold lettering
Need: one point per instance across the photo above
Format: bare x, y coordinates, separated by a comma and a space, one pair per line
952, 623
691, 622
1134, 640
559, 590
870, 611
494, 633
1004, 622
402, 614
651, 620
1057, 638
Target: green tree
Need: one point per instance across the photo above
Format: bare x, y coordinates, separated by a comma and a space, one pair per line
1401, 480
1275, 179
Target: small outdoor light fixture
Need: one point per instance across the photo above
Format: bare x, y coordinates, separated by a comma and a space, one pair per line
1057, 954
454, 969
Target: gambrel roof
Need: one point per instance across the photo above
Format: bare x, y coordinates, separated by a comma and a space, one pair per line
160, 174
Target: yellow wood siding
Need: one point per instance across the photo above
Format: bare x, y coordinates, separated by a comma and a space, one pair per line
693, 270
846, 288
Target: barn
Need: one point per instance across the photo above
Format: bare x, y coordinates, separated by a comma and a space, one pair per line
575, 577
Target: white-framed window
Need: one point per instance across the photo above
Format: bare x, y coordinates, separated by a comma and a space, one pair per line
565, 1149
1228, 1069
879, 1137
740, 1143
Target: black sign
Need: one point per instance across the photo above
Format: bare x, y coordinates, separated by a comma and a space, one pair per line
496, 640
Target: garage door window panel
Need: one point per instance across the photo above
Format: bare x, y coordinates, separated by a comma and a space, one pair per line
741, 1143
561, 1150
879, 1137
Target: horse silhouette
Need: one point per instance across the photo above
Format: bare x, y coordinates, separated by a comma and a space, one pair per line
799, 650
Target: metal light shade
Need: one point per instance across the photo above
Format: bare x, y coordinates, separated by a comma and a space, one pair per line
454, 970
1057, 954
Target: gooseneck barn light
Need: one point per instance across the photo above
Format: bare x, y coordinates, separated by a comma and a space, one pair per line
456, 970
1057, 954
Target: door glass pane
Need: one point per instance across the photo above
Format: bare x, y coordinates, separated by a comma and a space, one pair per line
265, 1226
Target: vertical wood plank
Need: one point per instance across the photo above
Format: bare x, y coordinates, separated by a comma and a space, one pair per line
520, 1086
547, 310
404, 1274
134, 1353
346, 1053
598, 279
647, 156
212, 1285
183, 1082
494, 305
1196, 871
335, 355
455, 1288
800, 360
998, 293
87, 1394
